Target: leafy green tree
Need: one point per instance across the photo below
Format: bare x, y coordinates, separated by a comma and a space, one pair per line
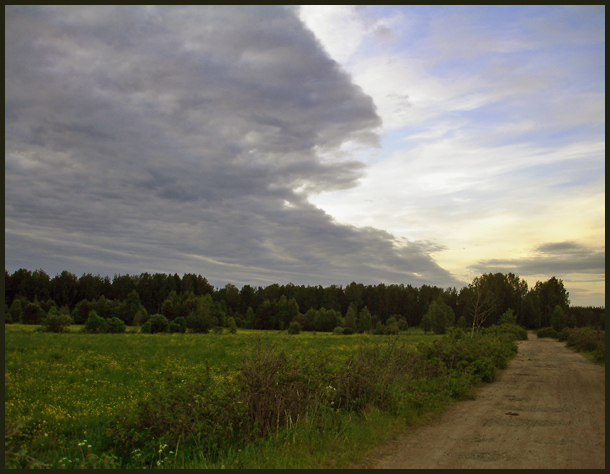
129, 307
89, 287
547, 295
177, 325
115, 325
351, 317
326, 320
294, 328
232, 325
402, 324
81, 311
309, 319
354, 294
95, 324
365, 322
441, 315
202, 318
392, 326
47, 305
462, 323
559, 319
426, 323
287, 310
157, 323
122, 285
56, 321
380, 329
264, 315
32, 313
140, 317
64, 289
508, 317
169, 306
247, 299
103, 307
250, 318
38, 286
15, 312
230, 295
482, 299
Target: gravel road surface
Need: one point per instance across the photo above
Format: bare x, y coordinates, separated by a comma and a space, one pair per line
545, 411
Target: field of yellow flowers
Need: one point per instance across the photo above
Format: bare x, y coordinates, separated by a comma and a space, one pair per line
61, 388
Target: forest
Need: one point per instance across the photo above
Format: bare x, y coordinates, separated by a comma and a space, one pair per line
193, 304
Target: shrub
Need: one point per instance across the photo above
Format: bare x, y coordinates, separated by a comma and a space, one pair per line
559, 319
517, 332
462, 323
32, 313
276, 388
348, 331
588, 339
156, 323
201, 414
115, 325
81, 311
456, 333
217, 329
392, 329
547, 332
95, 324
339, 330
56, 321
380, 329
402, 324
485, 369
232, 325
441, 315
426, 323
294, 328
365, 322
140, 317
15, 312
177, 325
508, 317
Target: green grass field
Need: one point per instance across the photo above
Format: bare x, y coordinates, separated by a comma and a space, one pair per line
61, 388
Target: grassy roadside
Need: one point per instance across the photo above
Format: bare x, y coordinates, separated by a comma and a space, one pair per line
311, 401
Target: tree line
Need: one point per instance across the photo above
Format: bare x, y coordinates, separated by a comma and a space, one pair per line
196, 304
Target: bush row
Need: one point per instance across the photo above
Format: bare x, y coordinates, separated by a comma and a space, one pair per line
276, 391
582, 339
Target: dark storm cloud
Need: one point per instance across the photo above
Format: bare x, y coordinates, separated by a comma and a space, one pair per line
552, 258
183, 139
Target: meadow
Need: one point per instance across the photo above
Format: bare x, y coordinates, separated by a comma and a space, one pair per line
78, 400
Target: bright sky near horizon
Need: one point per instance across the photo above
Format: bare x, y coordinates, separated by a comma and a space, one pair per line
313, 145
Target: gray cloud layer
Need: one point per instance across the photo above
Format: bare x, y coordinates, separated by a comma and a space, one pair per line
185, 139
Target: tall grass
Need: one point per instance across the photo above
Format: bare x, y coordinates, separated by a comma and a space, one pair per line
252, 399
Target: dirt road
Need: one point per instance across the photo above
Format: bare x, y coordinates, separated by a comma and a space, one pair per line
545, 411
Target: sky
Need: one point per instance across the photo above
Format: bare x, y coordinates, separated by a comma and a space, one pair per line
316, 145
